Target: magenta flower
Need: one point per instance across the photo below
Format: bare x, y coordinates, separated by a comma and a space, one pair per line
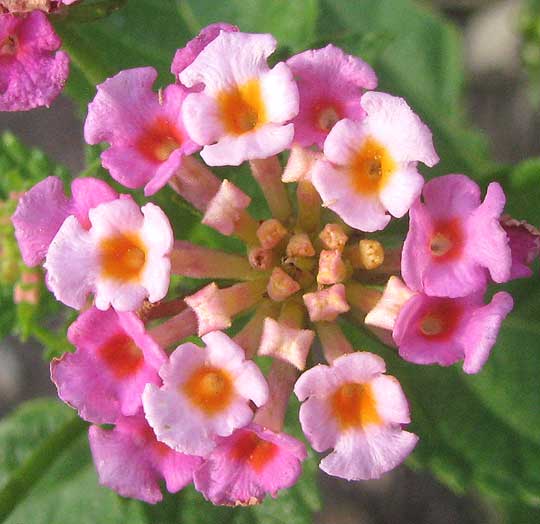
369, 167
524, 242
242, 112
432, 330
147, 144
454, 239
186, 55
206, 393
32, 70
330, 84
123, 258
114, 360
356, 410
42, 210
132, 462
248, 465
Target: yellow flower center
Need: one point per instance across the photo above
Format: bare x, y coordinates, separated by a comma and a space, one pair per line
371, 168
210, 389
354, 406
123, 257
242, 108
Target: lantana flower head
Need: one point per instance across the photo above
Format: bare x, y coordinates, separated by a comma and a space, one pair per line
205, 394
304, 270
370, 166
243, 110
115, 359
249, 464
132, 462
41, 211
32, 69
356, 410
122, 258
330, 84
145, 129
455, 241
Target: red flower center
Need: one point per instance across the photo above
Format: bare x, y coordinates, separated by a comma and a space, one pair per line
121, 356
159, 140
253, 450
447, 240
440, 322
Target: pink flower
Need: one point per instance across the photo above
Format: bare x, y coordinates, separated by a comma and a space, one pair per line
356, 410
145, 129
524, 242
132, 462
454, 239
370, 166
42, 210
431, 330
248, 465
242, 112
206, 393
32, 70
185, 56
330, 84
122, 258
114, 360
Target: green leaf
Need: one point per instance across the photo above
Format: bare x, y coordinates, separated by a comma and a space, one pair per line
421, 62
31, 439
293, 23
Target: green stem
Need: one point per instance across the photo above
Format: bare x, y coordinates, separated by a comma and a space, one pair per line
27, 475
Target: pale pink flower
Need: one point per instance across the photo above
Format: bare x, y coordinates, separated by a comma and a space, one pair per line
122, 258
354, 409
370, 166
206, 393
242, 111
